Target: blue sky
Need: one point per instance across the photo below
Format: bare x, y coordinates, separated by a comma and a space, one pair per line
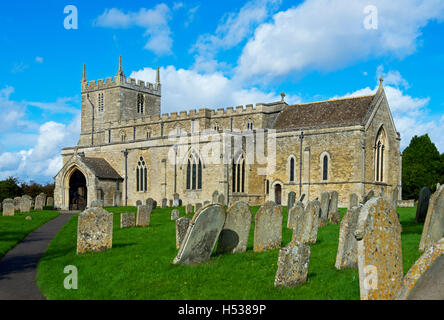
212, 54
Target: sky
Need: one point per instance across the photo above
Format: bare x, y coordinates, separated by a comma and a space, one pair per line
211, 54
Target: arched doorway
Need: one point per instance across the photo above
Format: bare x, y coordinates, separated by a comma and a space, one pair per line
77, 191
278, 193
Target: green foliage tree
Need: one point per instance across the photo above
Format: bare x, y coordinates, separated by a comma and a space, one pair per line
10, 188
422, 166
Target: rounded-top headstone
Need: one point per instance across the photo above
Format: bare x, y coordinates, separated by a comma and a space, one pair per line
423, 204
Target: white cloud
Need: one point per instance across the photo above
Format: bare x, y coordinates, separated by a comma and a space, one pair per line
39, 59
154, 21
328, 35
187, 89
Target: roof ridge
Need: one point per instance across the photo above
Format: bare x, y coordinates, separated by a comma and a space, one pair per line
337, 99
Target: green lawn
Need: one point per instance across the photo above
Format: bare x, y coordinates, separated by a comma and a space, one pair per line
15, 229
139, 266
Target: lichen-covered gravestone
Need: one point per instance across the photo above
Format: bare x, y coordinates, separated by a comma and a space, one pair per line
307, 224
17, 203
197, 207
433, 229
175, 214
138, 203
150, 203
379, 250
50, 201
25, 204
39, 203
292, 264
189, 208
333, 213
215, 196
127, 220
325, 204
221, 199
347, 255
315, 221
201, 235
293, 215
176, 202
94, 230
182, 225
354, 201
268, 227
164, 203
291, 200
423, 204
8, 207
143, 216
234, 235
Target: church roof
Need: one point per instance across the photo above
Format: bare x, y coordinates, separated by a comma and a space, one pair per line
101, 168
330, 113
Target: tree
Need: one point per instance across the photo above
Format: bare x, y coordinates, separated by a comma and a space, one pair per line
9, 188
422, 166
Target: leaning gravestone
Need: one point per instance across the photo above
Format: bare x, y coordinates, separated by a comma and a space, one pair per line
221, 199
197, 207
215, 197
333, 213
234, 235
164, 203
182, 225
143, 216
127, 220
175, 214
150, 203
347, 256
291, 200
354, 201
433, 229
292, 264
379, 250
94, 230
50, 201
8, 207
201, 235
423, 205
293, 215
25, 204
176, 201
302, 197
368, 196
325, 204
17, 203
268, 227
189, 209
43, 198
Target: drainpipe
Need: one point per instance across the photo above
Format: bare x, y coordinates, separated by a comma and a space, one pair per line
125, 154
301, 137
92, 119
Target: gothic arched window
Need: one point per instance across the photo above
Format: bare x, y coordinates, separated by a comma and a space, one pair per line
325, 168
291, 168
141, 176
380, 147
140, 103
239, 175
194, 173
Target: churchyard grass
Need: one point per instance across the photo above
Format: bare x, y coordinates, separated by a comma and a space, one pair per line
15, 229
139, 266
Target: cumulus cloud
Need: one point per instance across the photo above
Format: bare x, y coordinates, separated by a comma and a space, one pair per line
39, 59
329, 35
154, 21
188, 89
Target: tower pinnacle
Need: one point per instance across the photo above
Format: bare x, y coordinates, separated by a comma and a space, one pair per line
120, 71
157, 76
84, 74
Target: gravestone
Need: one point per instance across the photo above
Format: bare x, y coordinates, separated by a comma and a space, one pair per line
17, 203
50, 202
333, 213
149, 203
221, 199
433, 229
292, 264
138, 203
206, 202
315, 221
154, 204
94, 230
39, 203
197, 207
354, 201
127, 220
234, 235
325, 204
395, 197
176, 202
378, 234
268, 227
175, 214
164, 203
25, 204
96, 204
302, 197
423, 205
215, 197
170, 202
43, 197
8, 208
368, 196
347, 255
117, 199
201, 235
189, 209
182, 225
143, 216
291, 200
293, 215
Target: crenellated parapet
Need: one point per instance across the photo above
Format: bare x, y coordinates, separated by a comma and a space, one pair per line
129, 83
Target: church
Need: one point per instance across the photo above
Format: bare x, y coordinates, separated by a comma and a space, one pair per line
129, 151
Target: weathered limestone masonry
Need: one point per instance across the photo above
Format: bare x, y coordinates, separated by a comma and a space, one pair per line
333, 213
182, 225
268, 227
234, 235
94, 230
294, 215
143, 216
434, 224
25, 204
347, 256
379, 250
127, 220
8, 207
419, 268
292, 264
125, 153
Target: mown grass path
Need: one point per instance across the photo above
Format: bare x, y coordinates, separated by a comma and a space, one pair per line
139, 266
